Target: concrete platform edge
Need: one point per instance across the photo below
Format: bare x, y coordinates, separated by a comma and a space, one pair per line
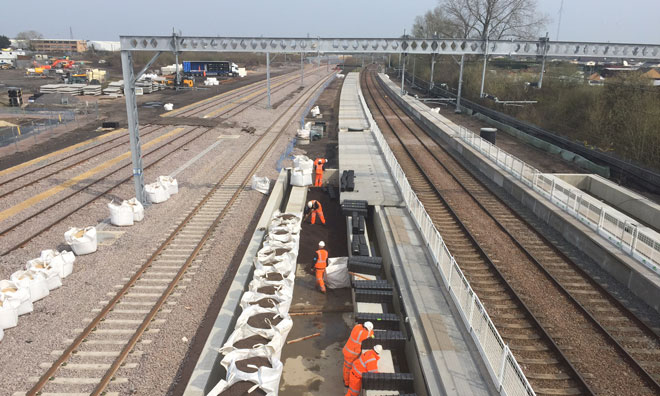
207, 369
626, 270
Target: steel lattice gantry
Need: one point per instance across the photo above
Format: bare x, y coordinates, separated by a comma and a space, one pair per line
392, 46
412, 46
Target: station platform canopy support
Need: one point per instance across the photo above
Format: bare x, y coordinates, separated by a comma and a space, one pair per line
321, 46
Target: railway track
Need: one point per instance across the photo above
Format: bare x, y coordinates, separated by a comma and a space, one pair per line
15, 228
549, 334
137, 308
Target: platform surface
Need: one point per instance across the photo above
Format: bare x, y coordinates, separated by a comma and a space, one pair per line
359, 151
351, 114
448, 357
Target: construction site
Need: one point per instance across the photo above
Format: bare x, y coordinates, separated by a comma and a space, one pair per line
307, 216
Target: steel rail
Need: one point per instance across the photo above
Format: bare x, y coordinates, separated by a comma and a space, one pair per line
68, 166
576, 376
105, 380
644, 327
245, 105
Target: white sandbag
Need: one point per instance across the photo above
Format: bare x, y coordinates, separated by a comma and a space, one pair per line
261, 184
8, 313
224, 385
120, 215
268, 378
282, 234
336, 273
280, 264
264, 274
283, 327
297, 178
168, 106
35, 281
315, 111
138, 209
436, 110
273, 346
52, 274
18, 297
156, 193
169, 183
62, 261
81, 240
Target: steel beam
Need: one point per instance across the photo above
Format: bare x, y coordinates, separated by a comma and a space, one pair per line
440, 46
133, 124
268, 76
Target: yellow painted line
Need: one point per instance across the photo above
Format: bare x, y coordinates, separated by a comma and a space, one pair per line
75, 180
243, 99
64, 150
184, 108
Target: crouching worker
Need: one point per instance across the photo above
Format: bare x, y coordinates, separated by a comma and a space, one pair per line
314, 208
353, 347
366, 363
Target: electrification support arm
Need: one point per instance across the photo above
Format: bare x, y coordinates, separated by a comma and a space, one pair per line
133, 124
460, 85
268, 76
147, 66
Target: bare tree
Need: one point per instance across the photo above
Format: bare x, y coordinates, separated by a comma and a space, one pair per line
495, 19
434, 22
29, 35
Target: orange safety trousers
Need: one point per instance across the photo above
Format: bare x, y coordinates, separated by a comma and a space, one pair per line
367, 363
320, 213
321, 263
318, 180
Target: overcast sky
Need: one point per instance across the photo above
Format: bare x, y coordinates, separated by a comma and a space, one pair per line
582, 20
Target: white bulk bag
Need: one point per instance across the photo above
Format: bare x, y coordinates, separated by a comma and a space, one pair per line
336, 273
63, 261
303, 133
121, 215
156, 193
304, 163
168, 106
8, 313
262, 275
297, 178
261, 184
315, 111
283, 288
273, 346
224, 385
282, 302
81, 240
52, 274
35, 281
169, 183
283, 327
138, 209
18, 297
280, 264
268, 378
281, 234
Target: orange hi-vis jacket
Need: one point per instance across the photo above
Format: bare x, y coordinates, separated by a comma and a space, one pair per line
354, 344
318, 165
367, 363
321, 259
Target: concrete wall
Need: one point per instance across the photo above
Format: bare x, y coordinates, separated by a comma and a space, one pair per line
616, 196
208, 371
637, 278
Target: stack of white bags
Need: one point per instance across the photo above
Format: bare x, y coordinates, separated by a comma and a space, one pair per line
162, 189
275, 266
41, 275
301, 174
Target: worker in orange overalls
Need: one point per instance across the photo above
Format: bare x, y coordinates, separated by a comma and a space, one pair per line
353, 347
314, 207
318, 170
367, 363
320, 262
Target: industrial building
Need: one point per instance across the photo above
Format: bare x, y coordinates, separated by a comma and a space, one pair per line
58, 45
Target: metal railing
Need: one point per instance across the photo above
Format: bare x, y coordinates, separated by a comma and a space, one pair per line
641, 243
499, 360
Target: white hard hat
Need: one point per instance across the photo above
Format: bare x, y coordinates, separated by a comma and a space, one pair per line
309, 204
369, 326
378, 349
321, 244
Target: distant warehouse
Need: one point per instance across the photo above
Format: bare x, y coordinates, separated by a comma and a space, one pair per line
58, 45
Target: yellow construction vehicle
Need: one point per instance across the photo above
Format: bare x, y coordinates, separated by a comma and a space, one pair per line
186, 82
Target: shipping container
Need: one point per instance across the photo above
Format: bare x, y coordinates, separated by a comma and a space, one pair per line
208, 68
